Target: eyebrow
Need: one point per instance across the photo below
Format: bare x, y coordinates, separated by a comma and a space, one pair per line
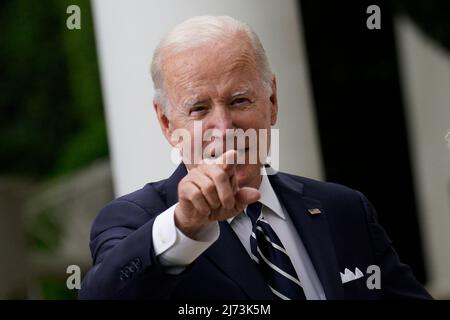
192, 102
195, 102
241, 93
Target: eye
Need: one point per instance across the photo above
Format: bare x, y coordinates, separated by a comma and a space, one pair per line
240, 101
197, 110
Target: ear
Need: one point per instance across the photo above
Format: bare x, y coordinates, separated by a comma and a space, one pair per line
274, 101
164, 122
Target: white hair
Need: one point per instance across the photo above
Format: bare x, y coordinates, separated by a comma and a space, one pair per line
199, 31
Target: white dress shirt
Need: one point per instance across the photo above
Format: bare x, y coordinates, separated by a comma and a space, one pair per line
175, 250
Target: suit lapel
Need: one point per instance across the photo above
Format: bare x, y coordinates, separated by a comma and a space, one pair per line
313, 230
229, 255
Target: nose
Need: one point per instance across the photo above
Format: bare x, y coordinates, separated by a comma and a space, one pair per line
221, 119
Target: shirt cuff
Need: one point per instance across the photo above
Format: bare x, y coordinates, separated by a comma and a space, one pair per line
172, 247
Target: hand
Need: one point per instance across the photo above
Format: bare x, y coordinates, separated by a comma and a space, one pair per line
210, 192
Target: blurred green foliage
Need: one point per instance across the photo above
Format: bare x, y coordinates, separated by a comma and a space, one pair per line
45, 232
51, 114
51, 111
53, 287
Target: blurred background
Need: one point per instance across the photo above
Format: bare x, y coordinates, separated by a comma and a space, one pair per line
366, 108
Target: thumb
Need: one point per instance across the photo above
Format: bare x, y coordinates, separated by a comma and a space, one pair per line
244, 196
247, 195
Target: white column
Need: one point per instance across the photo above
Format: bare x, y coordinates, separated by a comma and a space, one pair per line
127, 33
425, 71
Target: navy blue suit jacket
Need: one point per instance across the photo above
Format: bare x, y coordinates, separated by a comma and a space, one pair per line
345, 235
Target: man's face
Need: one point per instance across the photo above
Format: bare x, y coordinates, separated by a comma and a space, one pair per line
220, 86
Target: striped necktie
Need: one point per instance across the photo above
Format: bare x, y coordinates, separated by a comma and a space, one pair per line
271, 257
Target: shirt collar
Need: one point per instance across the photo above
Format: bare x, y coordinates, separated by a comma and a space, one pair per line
268, 198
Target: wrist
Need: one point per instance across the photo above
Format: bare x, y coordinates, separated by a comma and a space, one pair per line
188, 229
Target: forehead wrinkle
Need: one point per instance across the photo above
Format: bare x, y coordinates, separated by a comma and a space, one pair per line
240, 63
188, 73
223, 57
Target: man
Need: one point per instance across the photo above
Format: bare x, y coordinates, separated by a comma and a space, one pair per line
222, 229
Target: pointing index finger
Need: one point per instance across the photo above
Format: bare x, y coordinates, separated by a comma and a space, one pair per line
228, 161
